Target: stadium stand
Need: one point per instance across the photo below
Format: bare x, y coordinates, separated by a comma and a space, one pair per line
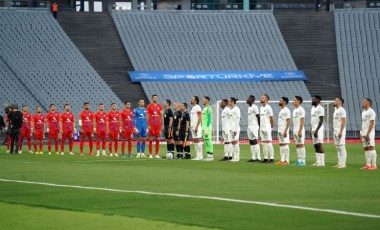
358, 45
196, 41
47, 63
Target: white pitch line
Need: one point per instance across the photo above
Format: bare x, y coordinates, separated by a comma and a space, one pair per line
199, 197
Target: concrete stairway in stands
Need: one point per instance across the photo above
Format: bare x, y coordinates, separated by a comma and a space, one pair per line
310, 37
96, 37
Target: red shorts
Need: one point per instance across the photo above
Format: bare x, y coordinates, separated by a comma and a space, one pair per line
101, 134
25, 132
83, 135
114, 136
39, 136
155, 131
67, 135
128, 134
53, 134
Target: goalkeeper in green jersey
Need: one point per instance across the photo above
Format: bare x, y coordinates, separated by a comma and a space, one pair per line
207, 128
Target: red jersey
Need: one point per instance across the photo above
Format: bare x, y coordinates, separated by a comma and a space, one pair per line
154, 112
38, 122
27, 119
87, 118
67, 120
52, 119
100, 119
114, 121
127, 118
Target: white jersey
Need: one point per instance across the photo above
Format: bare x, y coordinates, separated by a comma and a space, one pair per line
253, 110
235, 119
283, 115
339, 113
316, 112
226, 119
194, 116
298, 113
367, 116
265, 113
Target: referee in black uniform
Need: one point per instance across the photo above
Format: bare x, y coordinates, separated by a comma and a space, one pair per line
15, 124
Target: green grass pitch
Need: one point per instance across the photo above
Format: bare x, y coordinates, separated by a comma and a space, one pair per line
36, 206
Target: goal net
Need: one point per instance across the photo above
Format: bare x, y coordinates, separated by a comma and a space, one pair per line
327, 121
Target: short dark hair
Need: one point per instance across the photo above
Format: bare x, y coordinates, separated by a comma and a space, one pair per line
101, 103
168, 101
51, 105
184, 104
369, 100
318, 97
252, 97
196, 98
267, 96
154, 95
207, 97
299, 98
225, 101
341, 99
66, 105
125, 102
86, 103
113, 103
285, 99
24, 105
233, 99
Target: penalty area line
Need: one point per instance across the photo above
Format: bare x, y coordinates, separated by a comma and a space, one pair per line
198, 197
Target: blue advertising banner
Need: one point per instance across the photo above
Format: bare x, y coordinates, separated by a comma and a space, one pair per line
139, 76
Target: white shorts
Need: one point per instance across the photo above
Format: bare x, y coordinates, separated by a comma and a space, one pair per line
266, 135
297, 139
227, 136
253, 132
235, 137
369, 143
282, 139
340, 141
197, 134
318, 140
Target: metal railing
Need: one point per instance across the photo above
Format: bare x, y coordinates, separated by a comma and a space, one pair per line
24, 4
346, 5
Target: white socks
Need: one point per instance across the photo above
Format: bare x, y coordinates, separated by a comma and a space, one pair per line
342, 155
255, 152
198, 149
265, 150
228, 150
284, 153
321, 161
236, 152
271, 151
371, 156
301, 152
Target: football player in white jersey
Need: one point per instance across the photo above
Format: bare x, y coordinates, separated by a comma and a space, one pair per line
317, 129
266, 127
226, 130
299, 130
253, 129
339, 125
235, 128
283, 130
196, 126
367, 134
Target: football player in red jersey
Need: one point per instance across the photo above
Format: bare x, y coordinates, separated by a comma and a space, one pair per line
128, 128
86, 117
38, 124
100, 124
67, 126
52, 119
113, 129
26, 129
154, 118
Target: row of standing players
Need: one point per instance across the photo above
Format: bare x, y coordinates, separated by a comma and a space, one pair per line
177, 125
142, 122
261, 123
